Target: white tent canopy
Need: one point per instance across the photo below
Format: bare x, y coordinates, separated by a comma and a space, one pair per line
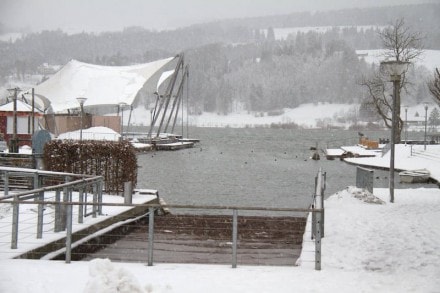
21, 107
101, 85
164, 77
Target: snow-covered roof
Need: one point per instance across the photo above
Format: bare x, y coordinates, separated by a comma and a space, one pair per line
21, 107
101, 85
92, 133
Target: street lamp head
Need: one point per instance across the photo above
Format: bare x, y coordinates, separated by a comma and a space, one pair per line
394, 68
81, 100
426, 105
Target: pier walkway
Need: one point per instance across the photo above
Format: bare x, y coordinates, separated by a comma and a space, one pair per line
408, 157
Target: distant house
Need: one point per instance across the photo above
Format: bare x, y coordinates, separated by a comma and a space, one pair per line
24, 122
415, 117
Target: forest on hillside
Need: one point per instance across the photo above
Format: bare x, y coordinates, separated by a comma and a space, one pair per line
239, 64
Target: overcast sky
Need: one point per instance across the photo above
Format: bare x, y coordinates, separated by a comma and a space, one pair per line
111, 15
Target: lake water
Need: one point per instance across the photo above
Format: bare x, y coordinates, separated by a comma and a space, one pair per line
251, 167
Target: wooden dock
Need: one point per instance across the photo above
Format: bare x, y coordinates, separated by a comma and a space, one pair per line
351, 152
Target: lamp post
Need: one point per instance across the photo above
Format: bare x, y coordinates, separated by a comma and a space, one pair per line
121, 109
406, 124
395, 69
426, 123
81, 101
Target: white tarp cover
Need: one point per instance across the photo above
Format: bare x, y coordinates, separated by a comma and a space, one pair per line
164, 77
101, 85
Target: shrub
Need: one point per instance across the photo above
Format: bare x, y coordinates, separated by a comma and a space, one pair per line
115, 161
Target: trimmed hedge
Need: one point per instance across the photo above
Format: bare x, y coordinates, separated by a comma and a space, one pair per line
115, 161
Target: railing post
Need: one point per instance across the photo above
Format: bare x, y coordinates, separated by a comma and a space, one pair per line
100, 185
150, 235
40, 215
95, 200
64, 206
6, 183
234, 238
318, 240
36, 181
319, 199
69, 208
128, 192
313, 222
15, 213
58, 225
80, 205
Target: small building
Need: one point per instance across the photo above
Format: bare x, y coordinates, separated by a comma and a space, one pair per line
24, 116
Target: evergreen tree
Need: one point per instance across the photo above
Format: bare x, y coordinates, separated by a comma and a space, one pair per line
434, 118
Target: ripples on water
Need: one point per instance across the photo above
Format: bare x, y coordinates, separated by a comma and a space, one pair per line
250, 167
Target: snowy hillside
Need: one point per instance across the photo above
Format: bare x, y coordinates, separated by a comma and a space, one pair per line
306, 116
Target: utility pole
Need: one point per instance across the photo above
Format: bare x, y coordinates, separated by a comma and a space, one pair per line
13, 143
33, 111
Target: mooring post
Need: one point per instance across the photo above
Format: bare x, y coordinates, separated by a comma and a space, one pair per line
234, 238
69, 208
150, 235
15, 213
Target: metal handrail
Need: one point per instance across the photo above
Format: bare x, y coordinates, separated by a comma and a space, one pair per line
41, 172
84, 181
195, 207
63, 214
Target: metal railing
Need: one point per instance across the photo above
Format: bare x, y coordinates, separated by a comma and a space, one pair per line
318, 215
39, 196
63, 204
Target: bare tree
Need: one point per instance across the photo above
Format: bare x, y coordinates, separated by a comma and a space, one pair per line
434, 86
401, 45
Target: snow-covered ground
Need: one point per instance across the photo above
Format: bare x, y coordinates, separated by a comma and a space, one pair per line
368, 247
306, 115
